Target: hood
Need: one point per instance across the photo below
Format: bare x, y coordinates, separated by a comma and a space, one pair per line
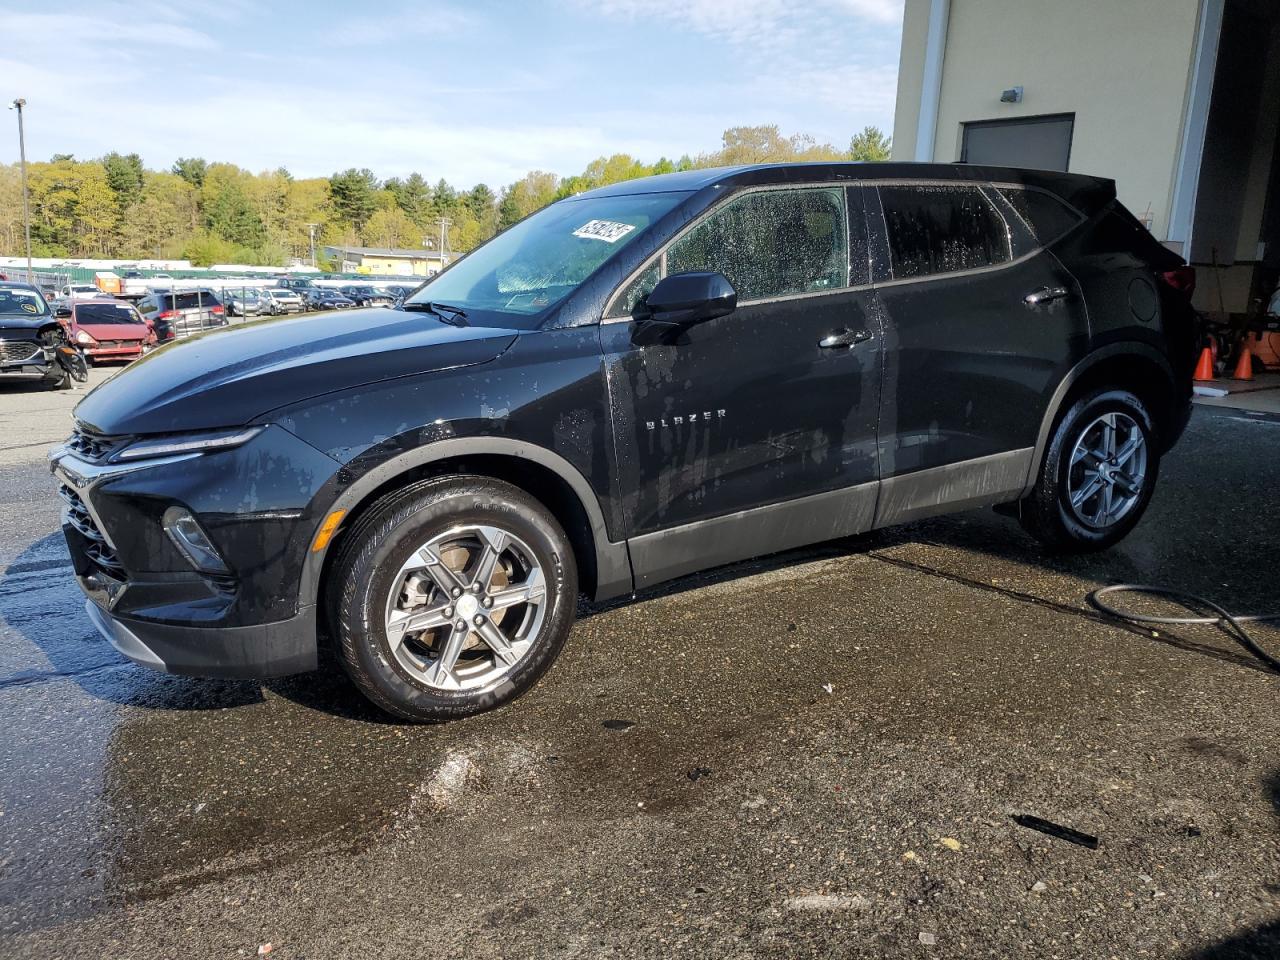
20, 325
231, 376
115, 331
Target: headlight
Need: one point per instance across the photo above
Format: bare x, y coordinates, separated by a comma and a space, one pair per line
190, 443
83, 337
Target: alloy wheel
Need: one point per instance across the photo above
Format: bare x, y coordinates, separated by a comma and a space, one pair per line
465, 608
1108, 470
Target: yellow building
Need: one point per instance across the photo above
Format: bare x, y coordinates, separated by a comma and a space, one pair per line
1178, 101
388, 261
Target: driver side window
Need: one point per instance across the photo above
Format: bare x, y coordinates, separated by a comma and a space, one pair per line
771, 243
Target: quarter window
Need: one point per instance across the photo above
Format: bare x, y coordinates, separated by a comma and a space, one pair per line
1045, 216
942, 229
771, 243
625, 302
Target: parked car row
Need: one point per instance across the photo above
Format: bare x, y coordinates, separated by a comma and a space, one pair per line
108, 328
101, 328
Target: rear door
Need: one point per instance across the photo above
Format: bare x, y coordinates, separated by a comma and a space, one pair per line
981, 322
750, 412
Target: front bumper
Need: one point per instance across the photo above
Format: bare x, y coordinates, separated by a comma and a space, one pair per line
263, 650
130, 351
150, 601
27, 357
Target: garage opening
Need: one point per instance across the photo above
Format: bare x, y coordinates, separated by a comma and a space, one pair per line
1235, 238
1040, 143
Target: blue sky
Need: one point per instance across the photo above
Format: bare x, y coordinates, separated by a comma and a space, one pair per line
470, 91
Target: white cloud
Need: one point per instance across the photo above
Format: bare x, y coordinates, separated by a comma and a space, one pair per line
753, 23
65, 35
172, 78
880, 11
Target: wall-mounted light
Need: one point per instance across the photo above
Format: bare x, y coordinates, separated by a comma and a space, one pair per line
1012, 95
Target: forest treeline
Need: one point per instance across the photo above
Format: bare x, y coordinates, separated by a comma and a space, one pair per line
215, 212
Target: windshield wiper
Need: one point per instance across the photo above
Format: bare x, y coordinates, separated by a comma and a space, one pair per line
453, 315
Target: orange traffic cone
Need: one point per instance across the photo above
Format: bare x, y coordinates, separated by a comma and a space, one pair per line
1204, 369
1244, 366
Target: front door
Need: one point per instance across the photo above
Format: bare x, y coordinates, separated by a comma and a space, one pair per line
720, 433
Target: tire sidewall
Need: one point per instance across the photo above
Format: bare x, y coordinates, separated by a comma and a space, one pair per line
361, 618
1058, 465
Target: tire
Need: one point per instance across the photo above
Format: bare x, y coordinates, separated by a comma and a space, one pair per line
1048, 513
451, 517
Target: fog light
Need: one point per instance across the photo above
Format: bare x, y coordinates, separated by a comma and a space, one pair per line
191, 541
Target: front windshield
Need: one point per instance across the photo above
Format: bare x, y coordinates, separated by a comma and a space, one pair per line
106, 313
21, 303
544, 258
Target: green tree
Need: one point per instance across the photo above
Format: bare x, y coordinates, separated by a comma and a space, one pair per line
870, 145
532, 192
160, 223
124, 177
351, 193
229, 214
480, 201
391, 228
444, 201
73, 211
191, 169
413, 196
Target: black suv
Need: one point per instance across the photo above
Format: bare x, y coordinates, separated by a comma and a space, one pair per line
642, 381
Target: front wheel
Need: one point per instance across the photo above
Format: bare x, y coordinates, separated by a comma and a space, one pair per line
452, 597
1098, 474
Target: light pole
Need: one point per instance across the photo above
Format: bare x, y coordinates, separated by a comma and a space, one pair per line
18, 104
311, 232
445, 223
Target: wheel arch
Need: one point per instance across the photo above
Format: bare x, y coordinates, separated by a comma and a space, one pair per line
1134, 366
604, 566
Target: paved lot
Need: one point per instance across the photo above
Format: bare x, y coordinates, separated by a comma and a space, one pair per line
746, 812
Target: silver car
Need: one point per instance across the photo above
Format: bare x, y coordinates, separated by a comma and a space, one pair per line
275, 301
242, 303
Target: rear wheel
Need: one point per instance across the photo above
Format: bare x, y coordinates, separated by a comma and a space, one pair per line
452, 597
1098, 474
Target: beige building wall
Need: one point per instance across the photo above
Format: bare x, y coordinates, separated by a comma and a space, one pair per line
906, 114
1123, 67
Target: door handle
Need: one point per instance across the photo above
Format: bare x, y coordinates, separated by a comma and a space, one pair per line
843, 338
1045, 295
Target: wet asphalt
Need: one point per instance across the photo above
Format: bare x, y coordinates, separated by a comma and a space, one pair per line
820, 754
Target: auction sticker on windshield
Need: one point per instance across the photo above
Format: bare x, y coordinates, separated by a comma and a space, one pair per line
610, 231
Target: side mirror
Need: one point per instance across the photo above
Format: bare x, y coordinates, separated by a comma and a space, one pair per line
62, 312
681, 300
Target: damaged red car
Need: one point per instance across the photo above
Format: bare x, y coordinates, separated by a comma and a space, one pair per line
107, 329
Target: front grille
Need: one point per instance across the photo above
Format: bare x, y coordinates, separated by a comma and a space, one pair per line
15, 351
91, 447
96, 547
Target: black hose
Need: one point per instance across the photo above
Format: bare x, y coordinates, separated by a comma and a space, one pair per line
1229, 623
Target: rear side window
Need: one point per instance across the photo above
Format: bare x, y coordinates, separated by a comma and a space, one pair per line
1045, 216
942, 229
771, 243
193, 301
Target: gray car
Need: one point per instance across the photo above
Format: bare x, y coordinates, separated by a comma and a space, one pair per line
242, 303
177, 313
